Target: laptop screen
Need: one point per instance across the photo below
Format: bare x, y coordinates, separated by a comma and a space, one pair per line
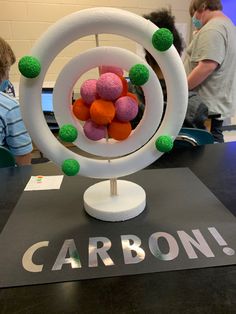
47, 99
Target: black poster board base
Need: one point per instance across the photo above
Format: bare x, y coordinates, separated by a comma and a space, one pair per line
49, 237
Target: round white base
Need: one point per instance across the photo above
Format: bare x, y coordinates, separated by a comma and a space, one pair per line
129, 202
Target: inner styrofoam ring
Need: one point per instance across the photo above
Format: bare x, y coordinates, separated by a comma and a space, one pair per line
106, 56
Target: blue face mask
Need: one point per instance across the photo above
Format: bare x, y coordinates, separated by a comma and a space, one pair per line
196, 23
4, 85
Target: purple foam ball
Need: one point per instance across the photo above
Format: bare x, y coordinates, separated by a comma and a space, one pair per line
88, 91
126, 109
94, 131
109, 86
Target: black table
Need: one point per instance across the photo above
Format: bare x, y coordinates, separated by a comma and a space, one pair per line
208, 290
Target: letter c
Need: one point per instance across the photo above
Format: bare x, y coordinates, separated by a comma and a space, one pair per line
27, 261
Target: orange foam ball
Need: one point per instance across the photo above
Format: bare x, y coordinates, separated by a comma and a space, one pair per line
119, 130
133, 96
81, 110
102, 111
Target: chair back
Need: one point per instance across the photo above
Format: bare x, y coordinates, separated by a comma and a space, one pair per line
6, 158
193, 137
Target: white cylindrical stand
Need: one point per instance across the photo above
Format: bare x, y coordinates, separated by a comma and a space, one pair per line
129, 202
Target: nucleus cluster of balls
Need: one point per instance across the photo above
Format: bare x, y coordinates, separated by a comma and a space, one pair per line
106, 107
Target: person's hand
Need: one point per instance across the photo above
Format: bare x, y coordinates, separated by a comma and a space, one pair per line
23, 159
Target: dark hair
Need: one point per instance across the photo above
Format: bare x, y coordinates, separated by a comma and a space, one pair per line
200, 5
7, 57
163, 18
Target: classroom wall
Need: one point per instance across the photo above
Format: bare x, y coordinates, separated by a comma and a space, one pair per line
23, 21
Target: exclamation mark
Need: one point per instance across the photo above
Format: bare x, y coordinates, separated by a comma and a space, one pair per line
227, 250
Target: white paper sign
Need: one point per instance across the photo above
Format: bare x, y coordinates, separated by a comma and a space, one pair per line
37, 183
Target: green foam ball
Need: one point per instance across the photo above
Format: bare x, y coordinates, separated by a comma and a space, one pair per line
68, 133
29, 66
139, 74
162, 39
70, 167
164, 143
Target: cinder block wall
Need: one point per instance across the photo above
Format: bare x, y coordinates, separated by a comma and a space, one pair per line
23, 21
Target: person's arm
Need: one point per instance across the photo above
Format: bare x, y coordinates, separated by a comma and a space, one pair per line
17, 138
201, 72
23, 160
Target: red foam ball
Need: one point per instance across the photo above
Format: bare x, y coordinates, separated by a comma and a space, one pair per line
133, 96
112, 69
125, 86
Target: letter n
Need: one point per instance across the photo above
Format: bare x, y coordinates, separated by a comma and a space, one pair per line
201, 244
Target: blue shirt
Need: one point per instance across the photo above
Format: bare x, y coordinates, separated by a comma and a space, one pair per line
13, 134
10, 90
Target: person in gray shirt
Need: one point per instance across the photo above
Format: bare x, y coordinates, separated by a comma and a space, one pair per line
210, 61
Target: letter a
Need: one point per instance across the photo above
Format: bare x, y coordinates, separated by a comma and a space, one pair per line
74, 260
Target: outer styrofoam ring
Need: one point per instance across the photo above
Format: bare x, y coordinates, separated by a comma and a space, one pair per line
112, 21
120, 58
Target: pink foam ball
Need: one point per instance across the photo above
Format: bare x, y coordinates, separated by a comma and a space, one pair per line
126, 108
111, 69
94, 131
88, 91
109, 86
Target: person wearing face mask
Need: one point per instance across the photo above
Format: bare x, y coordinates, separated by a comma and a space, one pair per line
13, 134
210, 61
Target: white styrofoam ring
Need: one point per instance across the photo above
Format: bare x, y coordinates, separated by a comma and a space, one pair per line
120, 58
112, 21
